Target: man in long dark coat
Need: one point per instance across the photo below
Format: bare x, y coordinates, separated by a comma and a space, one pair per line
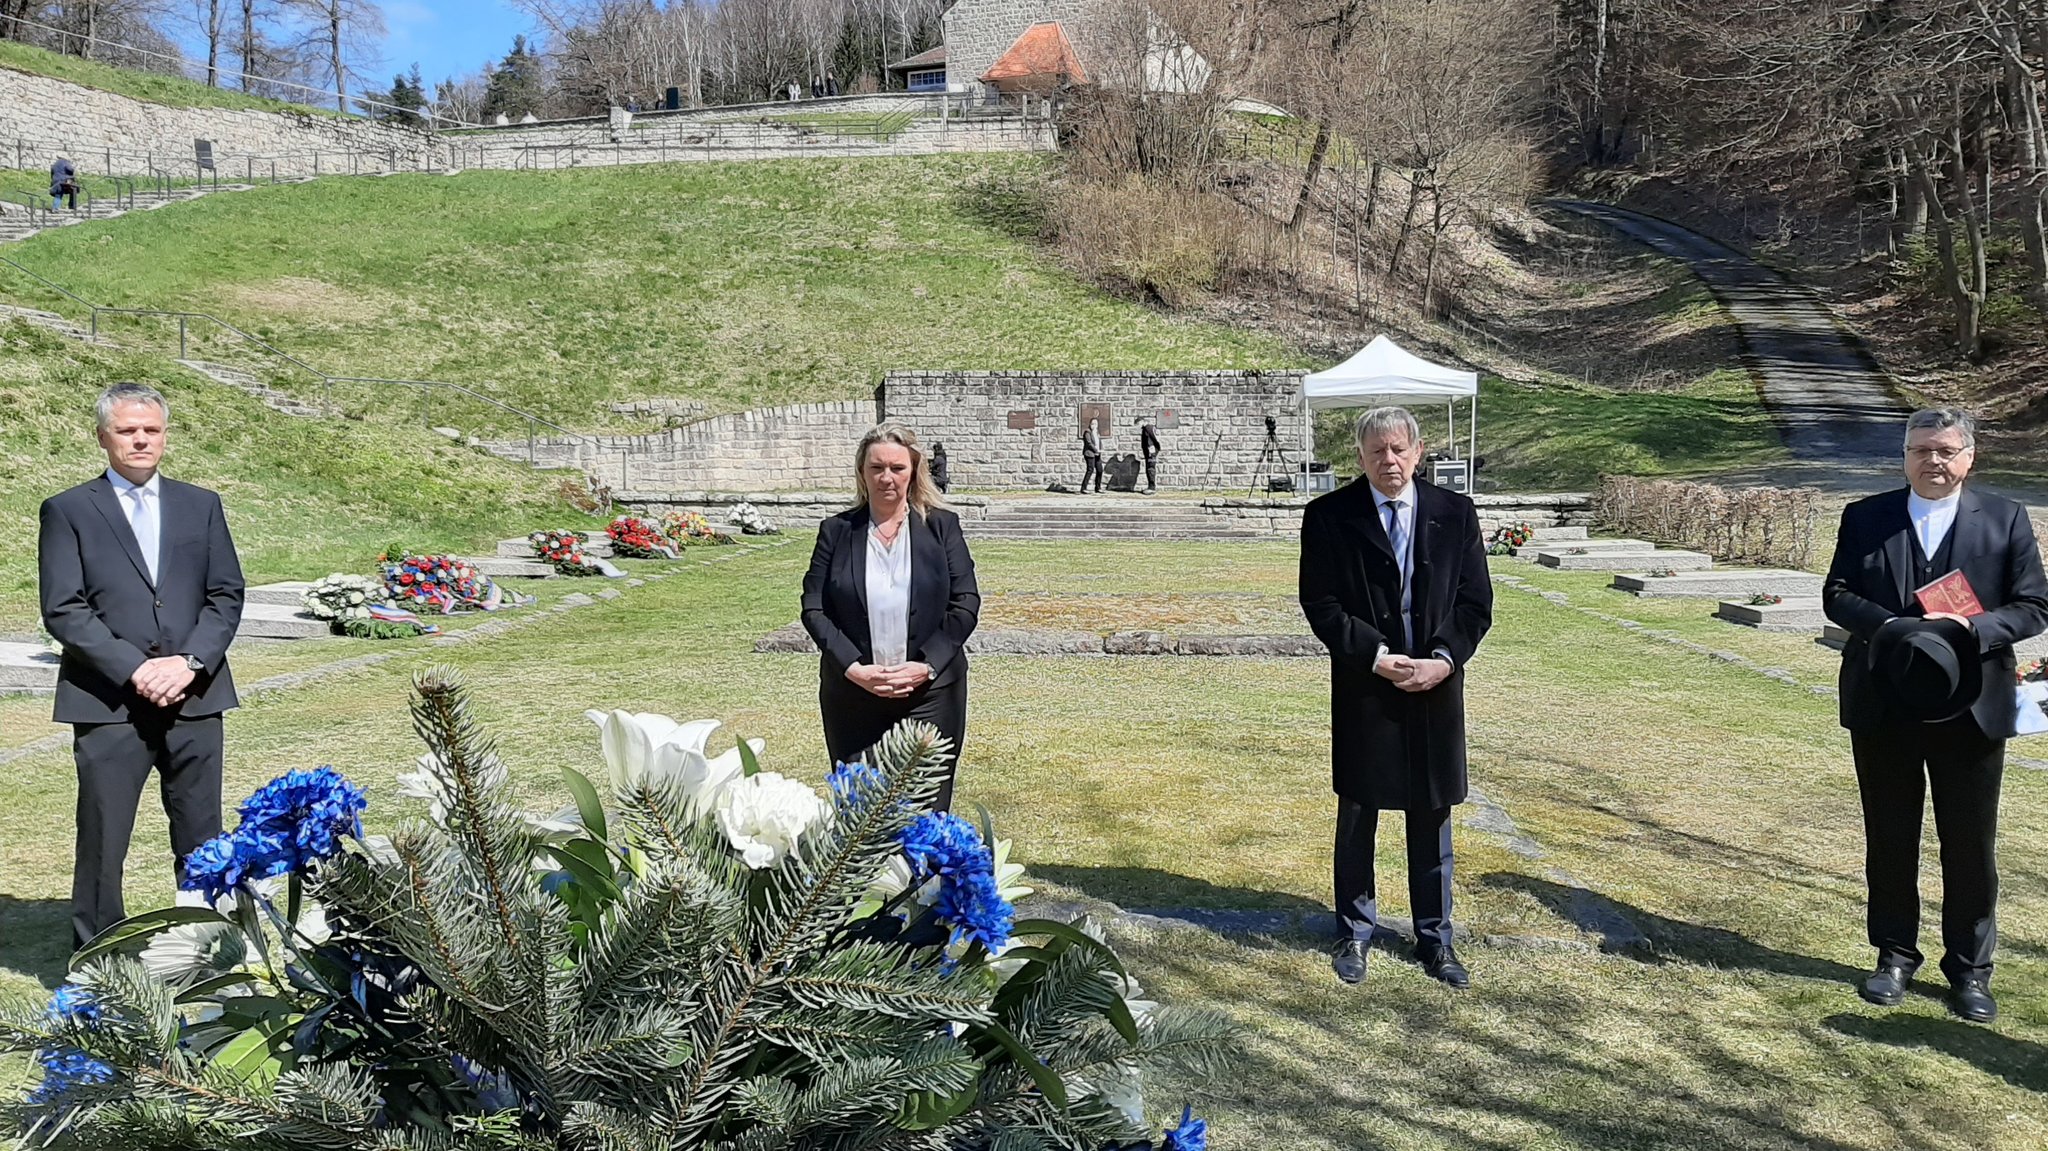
1394, 582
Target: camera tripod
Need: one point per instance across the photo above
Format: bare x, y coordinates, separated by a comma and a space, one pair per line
1271, 456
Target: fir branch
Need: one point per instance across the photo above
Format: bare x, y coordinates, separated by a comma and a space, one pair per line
873, 977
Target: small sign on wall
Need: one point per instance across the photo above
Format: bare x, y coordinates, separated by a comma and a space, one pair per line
1168, 418
1099, 415
1023, 421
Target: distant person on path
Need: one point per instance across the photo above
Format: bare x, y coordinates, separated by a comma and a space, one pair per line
890, 600
1091, 456
939, 471
795, 93
63, 183
141, 586
831, 85
1929, 706
1148, 446
1394, 582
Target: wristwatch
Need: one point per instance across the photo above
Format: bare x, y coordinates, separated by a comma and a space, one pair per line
195, 663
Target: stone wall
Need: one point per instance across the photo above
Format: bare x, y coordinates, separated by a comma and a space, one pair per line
1022, 429
789, 511
1496, 510
42, 118
591, 143
802, 446
978, 32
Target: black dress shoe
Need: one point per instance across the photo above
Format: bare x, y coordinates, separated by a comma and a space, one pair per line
1442, 965
1349, 960
1886, 986
1971, 999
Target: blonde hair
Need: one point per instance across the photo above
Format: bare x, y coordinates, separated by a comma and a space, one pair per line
922, 493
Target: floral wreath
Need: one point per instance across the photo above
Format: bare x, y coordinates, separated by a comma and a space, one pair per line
636, 538
441, 582
563, 550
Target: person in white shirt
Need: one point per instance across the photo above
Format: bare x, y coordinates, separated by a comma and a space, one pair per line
890, 600
1928, 698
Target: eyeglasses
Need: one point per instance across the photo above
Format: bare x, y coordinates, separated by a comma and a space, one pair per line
1938, 455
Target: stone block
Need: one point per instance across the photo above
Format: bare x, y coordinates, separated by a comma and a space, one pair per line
285, 594
271, 621
26, 667
1605, 560
1722, 583
1137, 643
1034, 641
1795, 614
1283, 646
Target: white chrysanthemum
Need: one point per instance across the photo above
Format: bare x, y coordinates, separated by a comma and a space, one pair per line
764, 815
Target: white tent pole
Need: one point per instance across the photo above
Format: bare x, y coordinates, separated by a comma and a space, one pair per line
1451, 415
1308, 439
1472, 453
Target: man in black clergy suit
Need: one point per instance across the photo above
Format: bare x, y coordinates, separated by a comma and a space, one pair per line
1890, 546
1394, 582
141, 585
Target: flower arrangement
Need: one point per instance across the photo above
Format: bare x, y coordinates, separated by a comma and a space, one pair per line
1509, 537
1661, 573
751, 521
340, 597
563, 550
1578, 551
696, 954
1765, 599
636, 538
2035, 672
688, 528
441, 582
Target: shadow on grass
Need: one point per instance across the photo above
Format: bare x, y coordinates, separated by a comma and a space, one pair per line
1150, 887
2020, 1062
35, 937
1670, 939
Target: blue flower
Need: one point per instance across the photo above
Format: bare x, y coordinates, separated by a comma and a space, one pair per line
64, 1069
945, 846
976, 910
74, 1003
1191, 1135
295, 819
850, 783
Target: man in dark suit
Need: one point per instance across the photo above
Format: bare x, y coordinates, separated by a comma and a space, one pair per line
1091, 456
1890, 546
141, 586
1148, 446
1394, 582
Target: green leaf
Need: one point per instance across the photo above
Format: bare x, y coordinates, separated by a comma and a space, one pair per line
255, 1056
590, 864
926, 1110
1120, 1017
748, 764
988, 826
587, 804
206, 987
138, 929
1048, 1080
1071, 934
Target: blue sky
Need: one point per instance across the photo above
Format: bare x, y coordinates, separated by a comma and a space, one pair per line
446, 37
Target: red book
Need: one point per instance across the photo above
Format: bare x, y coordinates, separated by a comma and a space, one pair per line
1951, 593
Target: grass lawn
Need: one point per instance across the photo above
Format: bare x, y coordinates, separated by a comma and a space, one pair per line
1714, 808
154, 87
740, 284
303, 497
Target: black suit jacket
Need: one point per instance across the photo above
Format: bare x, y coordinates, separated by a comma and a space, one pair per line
1391, 749
944, 600
98, 601
1871, 581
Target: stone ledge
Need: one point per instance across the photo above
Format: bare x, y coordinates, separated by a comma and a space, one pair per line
792, 639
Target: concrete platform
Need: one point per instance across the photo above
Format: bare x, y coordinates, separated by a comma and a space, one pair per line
498, 568
1610, 544
1723, 583
1796, 614
272, 621
26, 667
1557, 534
1600, 560
285, 594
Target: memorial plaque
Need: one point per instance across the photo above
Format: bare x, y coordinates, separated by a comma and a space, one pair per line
1023, 421
1097, 414
1168, 418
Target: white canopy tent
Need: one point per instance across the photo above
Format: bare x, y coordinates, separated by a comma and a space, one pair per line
1385, 369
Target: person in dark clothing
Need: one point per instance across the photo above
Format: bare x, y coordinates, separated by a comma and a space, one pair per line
1148, 446
939, 476
63, 183
1091, 456
831, 85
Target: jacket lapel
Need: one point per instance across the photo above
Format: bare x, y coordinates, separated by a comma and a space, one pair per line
109, 505
1366, 518
1969, 529
927, 559
1898, 547
856, 561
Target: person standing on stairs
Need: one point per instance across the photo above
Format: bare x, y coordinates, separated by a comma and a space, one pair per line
140, 584
63, 183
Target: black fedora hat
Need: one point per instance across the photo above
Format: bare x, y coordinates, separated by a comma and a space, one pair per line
1930, 666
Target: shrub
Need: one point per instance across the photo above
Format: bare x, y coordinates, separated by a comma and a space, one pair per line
1750, 525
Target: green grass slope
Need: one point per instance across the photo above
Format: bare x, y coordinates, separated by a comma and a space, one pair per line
154, 87
304, 497
740, 284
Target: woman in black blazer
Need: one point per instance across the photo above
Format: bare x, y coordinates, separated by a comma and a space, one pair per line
890, 600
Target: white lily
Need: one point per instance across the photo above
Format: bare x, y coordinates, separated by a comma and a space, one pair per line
641, 747
1009, 875
187, 954
763, 816
1118, 1087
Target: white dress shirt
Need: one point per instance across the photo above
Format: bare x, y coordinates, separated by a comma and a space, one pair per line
1931, 519
1404, 518
146, 520
888, 573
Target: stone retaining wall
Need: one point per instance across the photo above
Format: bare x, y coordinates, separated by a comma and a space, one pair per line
801, 446
1022, 429
42, 117
583, 144
1566, 509
789, 511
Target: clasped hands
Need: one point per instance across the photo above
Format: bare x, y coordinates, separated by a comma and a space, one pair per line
890, 682
1411, 674
162, 681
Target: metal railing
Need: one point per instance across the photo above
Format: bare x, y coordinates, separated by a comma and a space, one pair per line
424, 388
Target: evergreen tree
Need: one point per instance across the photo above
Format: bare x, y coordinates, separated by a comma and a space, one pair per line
516, 87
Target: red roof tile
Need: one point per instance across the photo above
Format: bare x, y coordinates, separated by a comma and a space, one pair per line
1043, 50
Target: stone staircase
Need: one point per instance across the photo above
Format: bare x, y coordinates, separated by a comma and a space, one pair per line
1132, 517
17, 223
248, 382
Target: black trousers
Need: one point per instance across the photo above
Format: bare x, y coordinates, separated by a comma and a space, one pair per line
1091, 466
114, 761
1429, 873
1896, 768
1151, 477
857, 719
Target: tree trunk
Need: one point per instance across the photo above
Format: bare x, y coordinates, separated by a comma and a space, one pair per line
1407, 223
1967, 307
213, 14
1436, 238
248, 42
1316, 152
334, 55
1596, 110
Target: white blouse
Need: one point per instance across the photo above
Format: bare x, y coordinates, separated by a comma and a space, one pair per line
889, 595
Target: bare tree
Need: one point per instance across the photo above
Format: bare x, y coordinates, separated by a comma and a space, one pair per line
343, 35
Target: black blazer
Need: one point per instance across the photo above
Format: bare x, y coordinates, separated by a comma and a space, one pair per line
944, 601
1871, 581
1391, 749
98, 602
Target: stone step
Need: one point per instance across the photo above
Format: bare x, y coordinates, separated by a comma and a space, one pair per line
1721, 583
26, 667
596, 544
498, 567
274, 621
1602, 560
1607, 544
285, 594
1556, 534
1796, 614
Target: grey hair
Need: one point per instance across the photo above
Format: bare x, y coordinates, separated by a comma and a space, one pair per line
128, 392
1388, 419
1942, 419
